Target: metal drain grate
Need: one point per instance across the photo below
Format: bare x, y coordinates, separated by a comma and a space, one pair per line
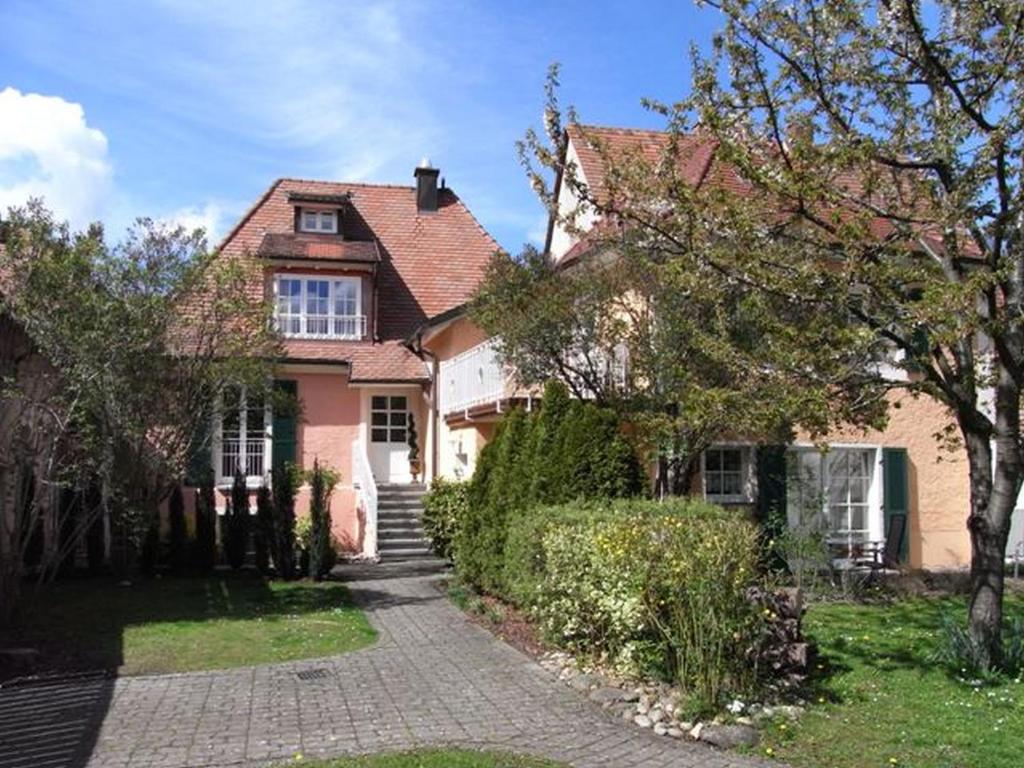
318, 673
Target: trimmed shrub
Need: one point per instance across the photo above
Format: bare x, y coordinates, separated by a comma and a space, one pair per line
480, 541
285, 486
204, 548
263, 532
568, 450
149, 552
650, 588
444, 509
236, 524
177, 553
322, 556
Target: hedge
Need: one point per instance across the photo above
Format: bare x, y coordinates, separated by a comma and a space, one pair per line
651, 588
444, 508
567, 450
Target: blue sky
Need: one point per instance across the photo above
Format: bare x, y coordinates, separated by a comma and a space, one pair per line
188, 109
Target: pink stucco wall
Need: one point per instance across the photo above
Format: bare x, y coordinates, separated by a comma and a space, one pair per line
328, 426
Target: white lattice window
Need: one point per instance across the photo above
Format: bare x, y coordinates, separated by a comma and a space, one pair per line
319, 307
243, 442
312, 220
727, 474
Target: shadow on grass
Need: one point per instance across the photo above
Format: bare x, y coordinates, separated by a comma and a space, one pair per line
78, 626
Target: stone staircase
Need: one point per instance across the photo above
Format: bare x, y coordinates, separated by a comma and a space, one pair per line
399, 527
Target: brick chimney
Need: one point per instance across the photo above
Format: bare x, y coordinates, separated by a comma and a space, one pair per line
426, 186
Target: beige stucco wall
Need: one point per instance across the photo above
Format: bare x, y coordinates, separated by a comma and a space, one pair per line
457, 446
939, 488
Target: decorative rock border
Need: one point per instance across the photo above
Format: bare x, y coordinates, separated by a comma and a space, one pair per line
654, 706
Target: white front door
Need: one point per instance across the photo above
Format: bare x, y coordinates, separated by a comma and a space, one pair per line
389, 440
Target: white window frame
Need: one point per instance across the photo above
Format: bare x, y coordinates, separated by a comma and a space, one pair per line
875, 511
251, 481
356, 322
320, 217
746, 496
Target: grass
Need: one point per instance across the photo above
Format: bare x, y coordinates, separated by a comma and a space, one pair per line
435, 758
879, 701
190, 623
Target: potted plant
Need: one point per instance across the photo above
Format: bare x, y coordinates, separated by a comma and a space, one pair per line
415, 466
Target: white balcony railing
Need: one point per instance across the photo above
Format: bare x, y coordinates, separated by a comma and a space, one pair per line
366, 496
473, 378
321, 326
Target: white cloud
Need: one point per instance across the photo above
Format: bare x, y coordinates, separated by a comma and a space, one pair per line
213, 217
48, 150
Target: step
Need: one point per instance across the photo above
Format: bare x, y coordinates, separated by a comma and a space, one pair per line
400, 488
411, 553
401, 534
401, 545
412, 505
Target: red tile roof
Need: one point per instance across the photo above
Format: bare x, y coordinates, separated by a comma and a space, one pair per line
385, 362
304, 245
429, 262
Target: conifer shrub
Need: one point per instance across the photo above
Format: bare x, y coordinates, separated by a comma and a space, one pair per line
177, 541
285, 480
237, 524
204, 548
322, 556
263, 531
567, 450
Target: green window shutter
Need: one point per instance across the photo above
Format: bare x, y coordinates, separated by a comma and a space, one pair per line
896, 493
283, 445
200, 452
771, 487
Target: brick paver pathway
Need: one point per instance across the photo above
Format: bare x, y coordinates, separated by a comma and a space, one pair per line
433, 678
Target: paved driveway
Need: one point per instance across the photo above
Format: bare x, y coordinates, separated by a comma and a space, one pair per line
432, 679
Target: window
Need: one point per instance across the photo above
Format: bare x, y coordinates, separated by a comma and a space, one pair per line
836, 493
389, 417
318, 221
726, 470
243, 443
319, 307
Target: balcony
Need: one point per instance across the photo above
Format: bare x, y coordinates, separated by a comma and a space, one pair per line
345, 327
475, 384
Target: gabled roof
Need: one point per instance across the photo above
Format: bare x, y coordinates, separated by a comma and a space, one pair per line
427, 262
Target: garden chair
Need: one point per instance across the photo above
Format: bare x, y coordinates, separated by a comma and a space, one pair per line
887, 554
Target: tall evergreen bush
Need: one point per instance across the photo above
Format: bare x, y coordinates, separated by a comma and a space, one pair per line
321, 549
285, 484
177, 554
204, 548
263, 532
236, 524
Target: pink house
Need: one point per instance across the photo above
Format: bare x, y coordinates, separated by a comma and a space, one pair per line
352, 271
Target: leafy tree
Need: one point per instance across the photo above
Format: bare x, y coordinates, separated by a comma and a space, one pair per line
285, 484
892, 136
150, 552
178, 534
235, 524
130, 344
870, 213
204, 552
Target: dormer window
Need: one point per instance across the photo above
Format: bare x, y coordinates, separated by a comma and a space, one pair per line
313, 220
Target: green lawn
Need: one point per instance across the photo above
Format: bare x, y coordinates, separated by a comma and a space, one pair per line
190, 623
442, 758
880, 702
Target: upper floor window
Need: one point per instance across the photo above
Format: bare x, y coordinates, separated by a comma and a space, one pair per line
313, 220
319, 307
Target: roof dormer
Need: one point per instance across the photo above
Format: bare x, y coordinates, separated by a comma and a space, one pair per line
319, 214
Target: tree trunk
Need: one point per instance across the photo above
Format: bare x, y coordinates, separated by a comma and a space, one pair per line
995, 484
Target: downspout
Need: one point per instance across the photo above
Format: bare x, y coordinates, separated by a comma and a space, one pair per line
376, 325
435, 451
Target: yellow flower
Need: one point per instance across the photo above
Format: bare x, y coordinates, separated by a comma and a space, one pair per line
298, 757
769, 751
